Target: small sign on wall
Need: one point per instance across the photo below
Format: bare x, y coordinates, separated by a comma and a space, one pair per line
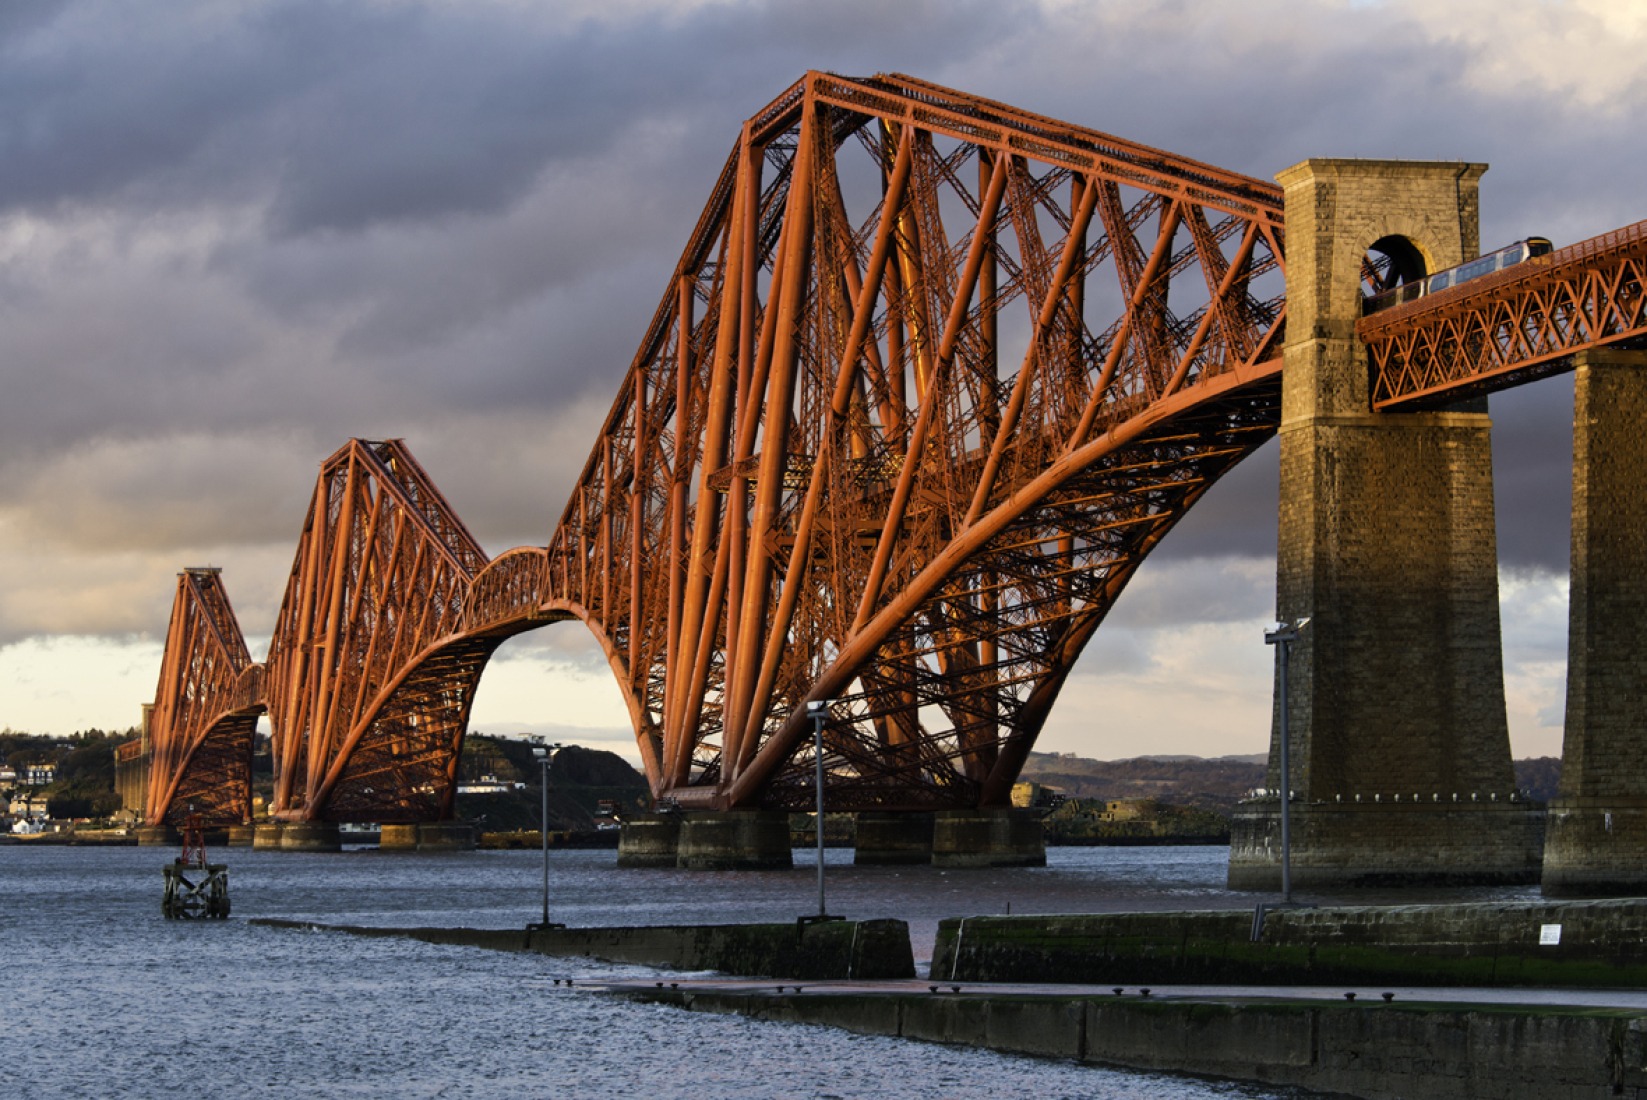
1549, 935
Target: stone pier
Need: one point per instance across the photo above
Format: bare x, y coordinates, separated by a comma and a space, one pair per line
1388, 548
266, 835
649, 840
1597, 841
734, 840
158, 836
427, 836
241, 836
310, 836
996, 837
893, 839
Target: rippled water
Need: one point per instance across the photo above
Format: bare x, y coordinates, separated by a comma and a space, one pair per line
107, 998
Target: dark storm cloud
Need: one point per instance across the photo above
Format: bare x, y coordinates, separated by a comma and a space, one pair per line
1208, 82
233, 235
368, 113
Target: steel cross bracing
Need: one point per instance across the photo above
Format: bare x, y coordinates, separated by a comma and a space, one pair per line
1517, 325
370, 676
930, 380
206, 707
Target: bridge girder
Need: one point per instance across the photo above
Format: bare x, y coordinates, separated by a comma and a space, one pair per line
931, 378
374, 600
206, 710
827, 472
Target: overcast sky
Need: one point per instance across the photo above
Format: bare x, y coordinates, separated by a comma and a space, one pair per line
234, 234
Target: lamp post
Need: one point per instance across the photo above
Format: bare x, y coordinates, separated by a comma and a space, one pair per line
1281, 636
818, 711
544, 754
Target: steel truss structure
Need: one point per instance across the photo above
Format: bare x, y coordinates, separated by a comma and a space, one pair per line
930, 380
1515, 326
205, 712
371, 674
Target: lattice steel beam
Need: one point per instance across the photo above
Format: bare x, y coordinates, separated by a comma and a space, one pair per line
1520, 324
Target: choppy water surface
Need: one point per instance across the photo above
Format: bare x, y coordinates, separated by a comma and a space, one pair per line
107, 998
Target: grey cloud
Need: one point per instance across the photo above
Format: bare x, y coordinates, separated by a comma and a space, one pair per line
275, 226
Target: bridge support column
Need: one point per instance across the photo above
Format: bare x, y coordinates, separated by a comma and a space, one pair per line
1597, 841
735, 840
311, 836
242, 836
158, 836
891, 839
649, 840
996, 837
397, 838
266, 835
1388, 548
445, 836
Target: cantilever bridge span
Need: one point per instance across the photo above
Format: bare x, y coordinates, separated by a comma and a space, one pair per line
930, 380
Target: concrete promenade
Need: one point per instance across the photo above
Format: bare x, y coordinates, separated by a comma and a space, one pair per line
1406, 1042
1401, 1034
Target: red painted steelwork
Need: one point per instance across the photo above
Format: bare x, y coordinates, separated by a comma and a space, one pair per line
1520, 324
929, 381
206, 709
931, 378
370, 676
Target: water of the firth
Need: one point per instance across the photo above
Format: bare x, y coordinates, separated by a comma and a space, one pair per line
107, 999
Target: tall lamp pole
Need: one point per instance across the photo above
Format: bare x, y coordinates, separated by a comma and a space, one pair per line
545, 756
1281, 636
818, 711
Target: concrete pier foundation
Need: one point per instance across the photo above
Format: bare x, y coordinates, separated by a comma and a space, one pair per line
649, 840
397, 838
241, 836
1597, 843
158, 836
734, 840
1388, 548
266, 835
1429, 839
893, 839
445, 836
310, 836
988, 838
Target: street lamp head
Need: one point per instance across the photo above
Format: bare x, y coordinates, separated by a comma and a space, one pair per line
1284, 632
818, 708
540, 751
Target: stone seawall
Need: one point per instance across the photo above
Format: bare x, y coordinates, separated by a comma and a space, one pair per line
1597, 944
831, 950
1372, 1050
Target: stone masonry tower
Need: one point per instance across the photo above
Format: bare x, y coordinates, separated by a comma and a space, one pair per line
1597, 840
1400, 750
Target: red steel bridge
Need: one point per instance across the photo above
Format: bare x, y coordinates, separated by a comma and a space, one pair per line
932, 377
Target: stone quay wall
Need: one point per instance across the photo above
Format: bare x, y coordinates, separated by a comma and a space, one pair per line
825, 950
1598, 944
1365, 1049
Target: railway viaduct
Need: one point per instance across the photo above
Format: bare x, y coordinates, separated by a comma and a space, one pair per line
932, 377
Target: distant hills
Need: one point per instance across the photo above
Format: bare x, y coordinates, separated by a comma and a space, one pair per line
1215, 784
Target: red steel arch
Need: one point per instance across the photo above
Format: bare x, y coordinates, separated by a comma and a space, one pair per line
206, 708
931, 378
364, 725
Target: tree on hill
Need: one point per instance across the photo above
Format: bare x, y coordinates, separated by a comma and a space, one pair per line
580, 779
